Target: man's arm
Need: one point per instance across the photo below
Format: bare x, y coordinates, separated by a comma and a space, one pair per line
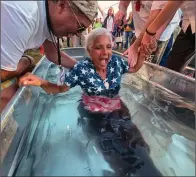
52, 55
25, 65
135, 46
123, 5
151, 18
150, 40
6, 75
165, 15
141, 58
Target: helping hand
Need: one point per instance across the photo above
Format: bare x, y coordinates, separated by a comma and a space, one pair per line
146, 48
119, 16
148, 45
149, 40
30, 79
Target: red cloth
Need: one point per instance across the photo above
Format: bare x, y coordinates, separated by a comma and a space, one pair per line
101, 103
137, 5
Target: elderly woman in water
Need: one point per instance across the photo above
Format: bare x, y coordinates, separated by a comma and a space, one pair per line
99, 76
103, 116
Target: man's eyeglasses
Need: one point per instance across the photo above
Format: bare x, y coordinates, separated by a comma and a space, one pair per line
80, 28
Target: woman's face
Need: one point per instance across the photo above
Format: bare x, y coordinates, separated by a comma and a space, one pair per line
130, 15
101, 51
110, 11
97, 20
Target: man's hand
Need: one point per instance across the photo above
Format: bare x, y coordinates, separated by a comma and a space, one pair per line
149, 39
119, 16
147, 46
123, 5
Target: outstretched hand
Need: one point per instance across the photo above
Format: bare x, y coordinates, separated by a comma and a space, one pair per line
30, 79
132, 53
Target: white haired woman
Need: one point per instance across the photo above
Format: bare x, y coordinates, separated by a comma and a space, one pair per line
99, 76
101, 111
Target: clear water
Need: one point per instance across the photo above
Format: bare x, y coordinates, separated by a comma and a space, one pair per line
162, 131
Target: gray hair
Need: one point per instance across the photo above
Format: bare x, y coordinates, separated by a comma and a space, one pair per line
89, 41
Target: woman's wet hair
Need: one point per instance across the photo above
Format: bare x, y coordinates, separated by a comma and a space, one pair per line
93, 35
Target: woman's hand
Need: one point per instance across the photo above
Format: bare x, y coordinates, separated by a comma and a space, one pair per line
132, 53
30, 79
147, 47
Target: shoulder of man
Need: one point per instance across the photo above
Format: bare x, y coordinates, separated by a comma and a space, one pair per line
19, 22
28, 8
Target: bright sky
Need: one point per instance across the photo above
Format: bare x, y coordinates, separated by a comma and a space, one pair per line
106, 4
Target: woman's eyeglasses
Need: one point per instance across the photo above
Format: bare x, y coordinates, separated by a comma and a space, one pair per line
81, 29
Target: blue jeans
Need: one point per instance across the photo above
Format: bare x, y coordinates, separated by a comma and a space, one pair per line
167, 52
128, 37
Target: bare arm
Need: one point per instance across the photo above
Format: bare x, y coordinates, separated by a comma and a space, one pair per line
165, 15
151, 18
123, 5
23, 67
5, 75
135, 56
149, 43
51, 54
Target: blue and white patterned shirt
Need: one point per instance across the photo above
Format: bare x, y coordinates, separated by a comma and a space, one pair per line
84, 74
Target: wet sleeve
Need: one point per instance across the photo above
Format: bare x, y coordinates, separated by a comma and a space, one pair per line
123, 64
72, 76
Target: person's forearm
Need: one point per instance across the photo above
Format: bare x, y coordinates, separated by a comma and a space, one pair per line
51, 88
151, 18
165, 15
51, 54
123, 5
67, 61
6, 75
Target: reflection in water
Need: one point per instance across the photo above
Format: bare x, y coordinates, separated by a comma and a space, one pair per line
157, 139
